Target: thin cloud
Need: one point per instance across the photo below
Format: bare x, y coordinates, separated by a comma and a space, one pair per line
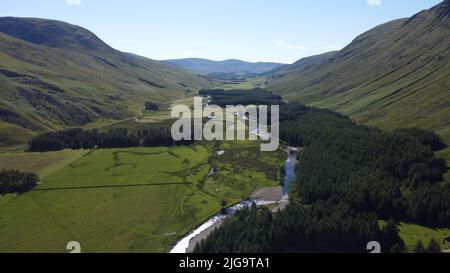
73, 2
374, 2
288, 45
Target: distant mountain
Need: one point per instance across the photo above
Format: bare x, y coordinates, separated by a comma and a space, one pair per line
203, 66
55, 75
302, 65
395, 75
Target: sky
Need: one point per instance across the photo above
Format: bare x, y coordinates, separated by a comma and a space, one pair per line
251, 30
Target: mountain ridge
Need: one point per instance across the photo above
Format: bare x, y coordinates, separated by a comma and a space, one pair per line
231, 66
51, 83
395, 75
51, 33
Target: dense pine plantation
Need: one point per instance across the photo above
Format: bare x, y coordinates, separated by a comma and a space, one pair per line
256, 96
114, 138
349, 177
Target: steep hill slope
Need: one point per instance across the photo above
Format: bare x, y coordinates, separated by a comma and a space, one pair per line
204, 66
55, 75
302, 65
395, 75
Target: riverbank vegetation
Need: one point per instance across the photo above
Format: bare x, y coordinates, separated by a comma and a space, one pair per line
349, 177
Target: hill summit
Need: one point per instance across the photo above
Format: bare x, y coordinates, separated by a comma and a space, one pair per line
56, 75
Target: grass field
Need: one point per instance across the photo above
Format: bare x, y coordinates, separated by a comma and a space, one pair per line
249, 83
125, 200
164, 113
242, 169
411, 233
43, 164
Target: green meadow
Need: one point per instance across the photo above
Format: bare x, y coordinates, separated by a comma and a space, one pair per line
248, 83
242, 169
411, 233
126, 200
42, 164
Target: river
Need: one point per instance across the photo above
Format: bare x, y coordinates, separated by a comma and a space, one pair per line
289, 168
183, 245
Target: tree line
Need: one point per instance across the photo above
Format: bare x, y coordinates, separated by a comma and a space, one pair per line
298, 228
256, 96
433, 247
394, 174
113, 138
17, 182
349, 177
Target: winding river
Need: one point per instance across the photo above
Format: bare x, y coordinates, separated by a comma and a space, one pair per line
183, 245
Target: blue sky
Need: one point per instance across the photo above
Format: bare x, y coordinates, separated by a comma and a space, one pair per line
252, 30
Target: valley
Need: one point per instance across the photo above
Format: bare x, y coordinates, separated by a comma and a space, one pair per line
87, 153
161, 192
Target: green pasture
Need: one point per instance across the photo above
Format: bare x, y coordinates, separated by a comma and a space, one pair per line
125, 200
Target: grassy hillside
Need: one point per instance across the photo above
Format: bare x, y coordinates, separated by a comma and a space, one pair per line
55, 75
395, 75
204, 66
